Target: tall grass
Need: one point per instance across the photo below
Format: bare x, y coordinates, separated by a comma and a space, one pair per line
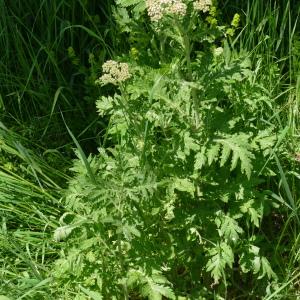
270, 30
29, 210
38, 77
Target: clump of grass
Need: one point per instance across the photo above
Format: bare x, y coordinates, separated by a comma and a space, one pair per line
30, 190
40, 77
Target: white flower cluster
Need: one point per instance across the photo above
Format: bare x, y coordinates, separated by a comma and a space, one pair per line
114, 72
202, 5
158, 8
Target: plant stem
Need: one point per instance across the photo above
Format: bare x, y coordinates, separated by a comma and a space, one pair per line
187, 51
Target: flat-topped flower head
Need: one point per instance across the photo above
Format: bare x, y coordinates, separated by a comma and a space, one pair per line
158, 8
202, 5
114, 72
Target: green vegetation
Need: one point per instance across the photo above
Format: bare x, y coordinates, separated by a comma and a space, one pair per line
149, 151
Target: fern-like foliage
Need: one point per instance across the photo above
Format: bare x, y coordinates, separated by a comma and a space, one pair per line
179, 193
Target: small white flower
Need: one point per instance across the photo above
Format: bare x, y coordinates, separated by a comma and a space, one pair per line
114, 72
158, 8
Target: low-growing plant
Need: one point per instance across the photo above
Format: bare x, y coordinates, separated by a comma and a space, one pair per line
174, 203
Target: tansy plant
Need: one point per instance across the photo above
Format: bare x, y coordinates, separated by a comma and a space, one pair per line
172, 206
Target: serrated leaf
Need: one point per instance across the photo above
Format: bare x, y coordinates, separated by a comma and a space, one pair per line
239, 146
266, 269
221, 255
104, 105
246, 262
250, 260
213, 153
254, 212
156, 291
122, 18
256, 264
229, 228
154, 287
215, 266
189, 144
227, 254
225, 154
133, 277
89, 243
200, 159
184, 185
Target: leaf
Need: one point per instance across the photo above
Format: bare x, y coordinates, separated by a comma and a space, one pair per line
104, 105
225, 154
266, 269
154, 287
155, 291
250, 259
189, 144
93, 295
266, 141
256, 264
200, 159
213, 153
93, 34
227, 52
129, 231
221, 255
215, 266
228, 227
239, 146
254, 212
82, 155
122, 18
126, 3
227, 254
140, 7
89, 243
184, 185
56, 96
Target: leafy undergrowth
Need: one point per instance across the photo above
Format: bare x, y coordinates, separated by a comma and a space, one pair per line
193, 191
